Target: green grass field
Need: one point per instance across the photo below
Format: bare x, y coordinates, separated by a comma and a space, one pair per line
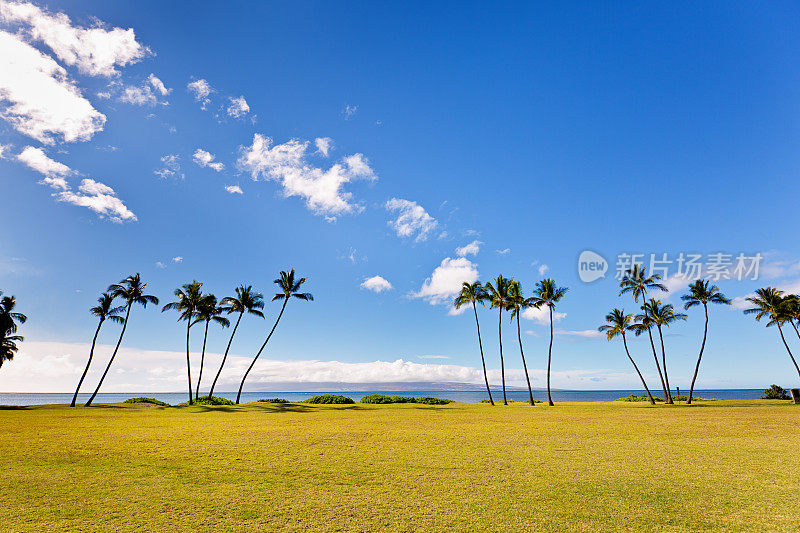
722, 465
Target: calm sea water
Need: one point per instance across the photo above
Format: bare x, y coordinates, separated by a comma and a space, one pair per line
459, 396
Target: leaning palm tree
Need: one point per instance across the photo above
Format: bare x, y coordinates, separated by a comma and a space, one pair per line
131, 291
644, 323
516, 303
208, 311
475, 293
663, 315
245, 301
617, 324
770, 303
791, 303
700, 293
104, 310
289, 288
549, 294
498, 296
189, 299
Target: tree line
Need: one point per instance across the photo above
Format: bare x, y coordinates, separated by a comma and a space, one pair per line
504, 294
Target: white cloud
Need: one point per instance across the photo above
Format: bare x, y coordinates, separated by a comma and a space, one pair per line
412, 219
323, 145
504, 251
446, 279
141, 95
469, 249
3, 149
376, 284
37, 97
238, 107
158, 85
100, 198
53, 171
177, 259
541, 315
172, 167
95, 51
287, 164
205, 159
233, 189
159, 264
56, 367
201, 90
542, 269
349, 111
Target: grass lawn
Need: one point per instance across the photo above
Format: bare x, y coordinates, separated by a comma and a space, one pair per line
716, 465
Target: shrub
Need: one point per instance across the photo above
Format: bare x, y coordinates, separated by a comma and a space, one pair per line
429, 400
382, 398
329, 398
775, 393
213, 400
142, 399
273, 400
635, 398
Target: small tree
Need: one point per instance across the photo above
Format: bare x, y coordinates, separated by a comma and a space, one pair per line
775, 393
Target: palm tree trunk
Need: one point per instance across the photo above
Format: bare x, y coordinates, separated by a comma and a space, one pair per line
549, 359
224, 357
502, 365
528, 379
113, 355
658, 366
483, 359
699, 357
668, 398
188, 362
788, 350
202, 361
644, 384
249, 368
89, 362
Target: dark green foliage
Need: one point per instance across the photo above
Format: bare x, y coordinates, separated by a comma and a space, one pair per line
429, 400
273, 400
775, 393
382, 398
212, 400
329, 398
642, 398
142, 399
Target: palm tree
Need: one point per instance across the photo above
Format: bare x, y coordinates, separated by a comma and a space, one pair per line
9, 317
131, 290
663, 316
498, 296
206, 312
791, 304
104, 310
549, 294
245, 301
289, 288
475, 293
769, 302
516, 303
189, 298
8, 347
617, 323
637, 283
701, 293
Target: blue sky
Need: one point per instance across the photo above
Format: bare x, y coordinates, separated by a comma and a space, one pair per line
538, 131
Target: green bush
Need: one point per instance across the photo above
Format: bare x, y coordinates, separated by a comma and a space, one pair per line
213, 400
329, 398
635, 398
273, 400
382, 398
142, 399
775, 393
429, 400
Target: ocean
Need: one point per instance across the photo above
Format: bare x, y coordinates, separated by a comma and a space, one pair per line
465, 396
